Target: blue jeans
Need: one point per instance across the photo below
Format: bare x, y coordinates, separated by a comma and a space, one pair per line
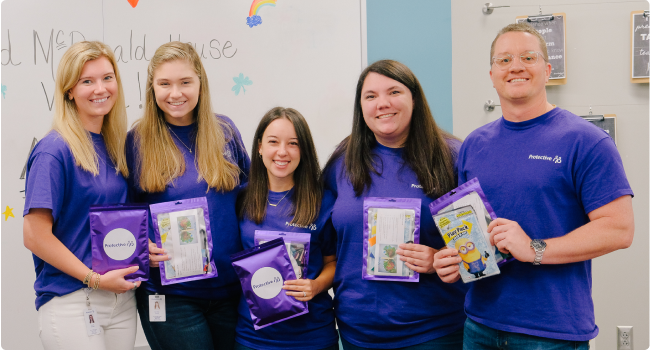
453, 341
480, 337
192, 323
239, 346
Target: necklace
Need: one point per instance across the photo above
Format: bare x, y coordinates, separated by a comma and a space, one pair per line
276, 204
179, 139
105, 164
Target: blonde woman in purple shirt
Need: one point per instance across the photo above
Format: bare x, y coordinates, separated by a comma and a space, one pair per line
180, 149
79, 163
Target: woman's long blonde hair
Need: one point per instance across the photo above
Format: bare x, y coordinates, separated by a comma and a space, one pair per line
160, 161
66, 118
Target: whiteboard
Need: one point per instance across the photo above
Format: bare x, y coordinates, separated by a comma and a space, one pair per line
304, 54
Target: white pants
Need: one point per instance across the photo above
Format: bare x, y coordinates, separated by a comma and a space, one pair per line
62, 324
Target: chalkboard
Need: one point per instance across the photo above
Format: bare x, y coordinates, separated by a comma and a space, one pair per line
640, 47
554, 34
606, 122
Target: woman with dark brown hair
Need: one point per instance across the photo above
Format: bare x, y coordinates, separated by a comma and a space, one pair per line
395, 150
284, 194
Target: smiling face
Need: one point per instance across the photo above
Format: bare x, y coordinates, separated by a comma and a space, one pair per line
518, 83
95, 92
387, 106
280, 153
176, 86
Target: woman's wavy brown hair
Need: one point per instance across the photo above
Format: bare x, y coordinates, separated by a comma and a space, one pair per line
426, 150
307, 194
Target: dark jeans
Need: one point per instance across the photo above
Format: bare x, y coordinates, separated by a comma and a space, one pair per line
480, 337
453, 341
192, 323
244, 347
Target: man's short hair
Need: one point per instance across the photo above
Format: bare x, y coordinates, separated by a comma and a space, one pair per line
522, 27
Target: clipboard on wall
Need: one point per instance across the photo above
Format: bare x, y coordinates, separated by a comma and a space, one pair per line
640, 47
606, 122
553, 28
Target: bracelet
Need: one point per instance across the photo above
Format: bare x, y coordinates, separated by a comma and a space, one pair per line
96, 281
86, 280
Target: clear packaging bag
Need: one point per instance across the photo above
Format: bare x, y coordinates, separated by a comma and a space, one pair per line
470, 193
297, 245
182, 228
460, 230
262, 271
388, 222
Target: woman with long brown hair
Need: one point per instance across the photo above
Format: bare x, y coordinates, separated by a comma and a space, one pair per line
395, 150
180, 149
79, 163
284, 194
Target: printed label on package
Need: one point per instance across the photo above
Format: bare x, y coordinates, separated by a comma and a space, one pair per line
267, 282
119, 244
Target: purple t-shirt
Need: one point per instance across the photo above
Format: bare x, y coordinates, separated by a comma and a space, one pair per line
381, 314
55, 182
315, 330
546, 174
221, 205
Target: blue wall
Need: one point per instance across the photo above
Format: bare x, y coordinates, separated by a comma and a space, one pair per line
418, 34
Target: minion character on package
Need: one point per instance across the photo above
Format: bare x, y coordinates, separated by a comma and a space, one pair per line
460, 230
473, 261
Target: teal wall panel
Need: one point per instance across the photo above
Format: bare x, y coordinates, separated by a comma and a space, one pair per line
418, 34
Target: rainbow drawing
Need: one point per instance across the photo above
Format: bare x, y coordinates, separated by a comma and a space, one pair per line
253, 17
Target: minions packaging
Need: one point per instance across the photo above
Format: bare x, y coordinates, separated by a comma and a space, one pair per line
461, 231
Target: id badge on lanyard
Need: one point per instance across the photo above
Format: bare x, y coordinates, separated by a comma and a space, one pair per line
90, 317
157, 311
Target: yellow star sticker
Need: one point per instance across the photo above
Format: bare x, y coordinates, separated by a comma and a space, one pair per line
8, 212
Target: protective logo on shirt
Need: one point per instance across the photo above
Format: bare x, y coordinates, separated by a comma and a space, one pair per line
119, 244
416, 186
310, 226
556, 159
227, 154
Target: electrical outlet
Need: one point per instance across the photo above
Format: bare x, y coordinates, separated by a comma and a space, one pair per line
625, 338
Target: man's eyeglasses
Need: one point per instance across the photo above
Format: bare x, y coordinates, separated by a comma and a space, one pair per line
528, 58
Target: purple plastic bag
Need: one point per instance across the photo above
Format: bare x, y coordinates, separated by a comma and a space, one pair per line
470, 193
182, 228
297, 245
262, 271
387, 222
119, 239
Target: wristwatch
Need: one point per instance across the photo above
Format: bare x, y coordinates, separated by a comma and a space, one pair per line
538, 246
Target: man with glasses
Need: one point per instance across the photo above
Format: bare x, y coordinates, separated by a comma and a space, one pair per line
558, 186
